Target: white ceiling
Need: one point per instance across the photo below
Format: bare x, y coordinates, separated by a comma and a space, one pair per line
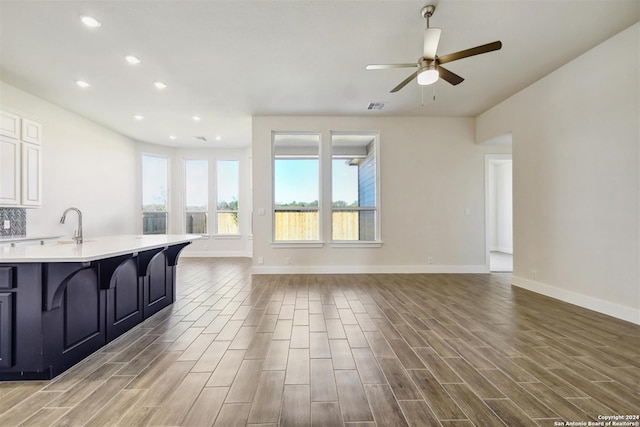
229, 60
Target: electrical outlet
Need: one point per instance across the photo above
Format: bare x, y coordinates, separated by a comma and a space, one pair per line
7, 224
260, 260
430, 260
287, 260
534, 274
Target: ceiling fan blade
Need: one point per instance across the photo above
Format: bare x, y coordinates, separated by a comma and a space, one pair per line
405, 82
431, 40
388, 66
450, 77
489, 47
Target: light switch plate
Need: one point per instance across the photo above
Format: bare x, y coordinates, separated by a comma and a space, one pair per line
7, 224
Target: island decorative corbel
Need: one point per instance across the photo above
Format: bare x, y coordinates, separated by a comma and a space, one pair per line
56, 276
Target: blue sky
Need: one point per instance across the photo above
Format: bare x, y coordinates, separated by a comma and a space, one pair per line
154, 180
297, 180
228, 180
196, 175
196, 185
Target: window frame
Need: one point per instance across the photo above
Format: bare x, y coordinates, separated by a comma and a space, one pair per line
274, 208
215, 196
184, 195
167, 210
376, 208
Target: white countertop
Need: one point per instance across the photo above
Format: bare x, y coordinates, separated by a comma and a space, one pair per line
92, 249
13, 239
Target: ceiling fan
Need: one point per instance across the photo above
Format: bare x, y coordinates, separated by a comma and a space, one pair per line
429, 65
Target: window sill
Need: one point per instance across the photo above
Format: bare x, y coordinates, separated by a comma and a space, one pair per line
377, 244
297, 245
226, 236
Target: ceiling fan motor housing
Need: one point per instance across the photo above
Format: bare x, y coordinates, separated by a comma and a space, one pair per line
426, 64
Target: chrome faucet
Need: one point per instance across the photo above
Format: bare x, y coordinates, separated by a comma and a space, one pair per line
77, 236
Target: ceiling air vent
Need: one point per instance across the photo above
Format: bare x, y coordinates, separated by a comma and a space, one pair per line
201, 138
376, 105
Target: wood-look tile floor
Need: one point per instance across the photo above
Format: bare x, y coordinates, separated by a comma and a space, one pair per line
352, 350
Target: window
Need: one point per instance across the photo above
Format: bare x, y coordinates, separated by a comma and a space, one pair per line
227, 197
155, 174
354, 187
196, 197
296, 187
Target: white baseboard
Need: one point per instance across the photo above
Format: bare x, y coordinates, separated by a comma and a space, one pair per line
629, 314
216, 254
367, 269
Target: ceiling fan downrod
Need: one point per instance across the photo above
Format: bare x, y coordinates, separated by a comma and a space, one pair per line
427, 12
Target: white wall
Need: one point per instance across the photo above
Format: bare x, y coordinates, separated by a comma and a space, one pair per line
431, 171
503, 208
84, 165
208, 246
492, 215
576, 183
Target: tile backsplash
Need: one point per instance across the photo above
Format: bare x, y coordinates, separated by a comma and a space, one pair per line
18, 222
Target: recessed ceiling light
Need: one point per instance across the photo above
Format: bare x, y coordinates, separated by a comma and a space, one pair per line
82, 84
138, 117
172, 137
90, 21
160, 85
218, 138
196, 118
132, 59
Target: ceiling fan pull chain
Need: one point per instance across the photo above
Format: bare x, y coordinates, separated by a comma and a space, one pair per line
422, 92
433, 88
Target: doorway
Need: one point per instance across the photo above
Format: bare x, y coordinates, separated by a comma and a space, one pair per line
499, 212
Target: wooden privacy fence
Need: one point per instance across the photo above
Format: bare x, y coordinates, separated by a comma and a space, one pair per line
300, 225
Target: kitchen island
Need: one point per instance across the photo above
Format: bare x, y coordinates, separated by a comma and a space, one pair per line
62, 301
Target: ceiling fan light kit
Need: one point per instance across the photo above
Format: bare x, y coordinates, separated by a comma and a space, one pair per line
428, 77
428, 72
429, 68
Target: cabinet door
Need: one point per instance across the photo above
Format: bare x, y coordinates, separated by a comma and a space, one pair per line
31, 131
31, 175
9, 172
9, 124
6, 329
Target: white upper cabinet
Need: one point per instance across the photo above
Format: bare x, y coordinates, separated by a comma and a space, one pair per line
20, 161
9, 172
31, 175
9, 124
31, 131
